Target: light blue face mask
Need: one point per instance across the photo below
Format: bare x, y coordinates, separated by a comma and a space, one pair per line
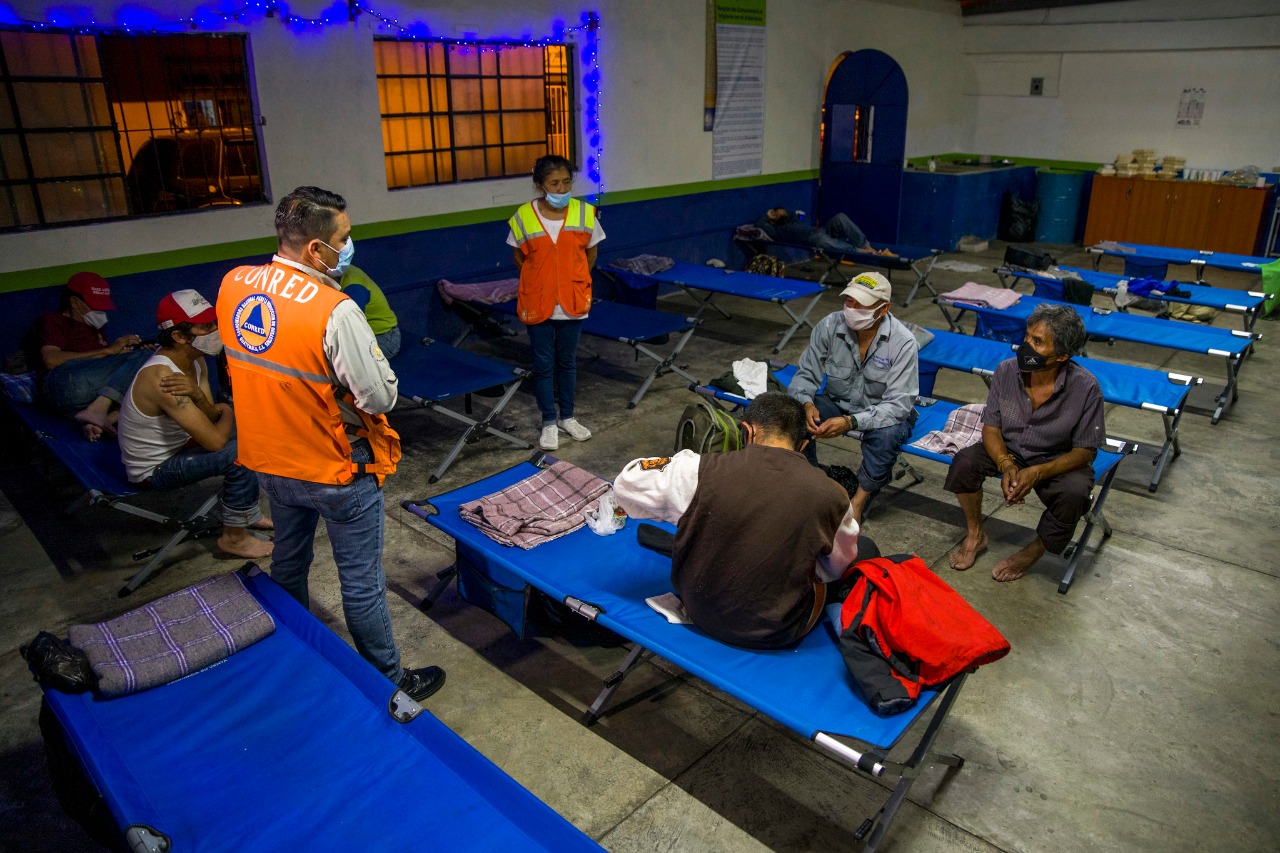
557, 200
344, 258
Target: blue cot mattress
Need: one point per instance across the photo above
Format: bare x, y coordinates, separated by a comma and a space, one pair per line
288, 745
806, 688
765, 288
618, 322
440, 372
1169, 254
1219, 298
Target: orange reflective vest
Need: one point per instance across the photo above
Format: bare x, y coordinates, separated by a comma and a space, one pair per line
553, 271
272, 320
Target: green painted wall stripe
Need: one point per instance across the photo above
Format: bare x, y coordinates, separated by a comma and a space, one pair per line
1077, 165
56, 276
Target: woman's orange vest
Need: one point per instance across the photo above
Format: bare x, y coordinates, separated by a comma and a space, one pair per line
553, 271
272, 320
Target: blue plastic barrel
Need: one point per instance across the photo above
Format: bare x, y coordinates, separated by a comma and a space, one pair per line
1059, 195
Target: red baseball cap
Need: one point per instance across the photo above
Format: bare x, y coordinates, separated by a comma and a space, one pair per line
93, 289
184, 306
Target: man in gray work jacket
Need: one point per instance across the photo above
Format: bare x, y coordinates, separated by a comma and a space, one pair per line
871, 364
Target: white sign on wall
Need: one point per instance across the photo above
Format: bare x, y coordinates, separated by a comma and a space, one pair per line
1191, 108
738, 130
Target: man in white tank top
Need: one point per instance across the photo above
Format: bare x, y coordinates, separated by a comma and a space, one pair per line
173, 434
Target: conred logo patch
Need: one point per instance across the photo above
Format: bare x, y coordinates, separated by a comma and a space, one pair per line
254, 322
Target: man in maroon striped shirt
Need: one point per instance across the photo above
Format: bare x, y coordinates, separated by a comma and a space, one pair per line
1041, 430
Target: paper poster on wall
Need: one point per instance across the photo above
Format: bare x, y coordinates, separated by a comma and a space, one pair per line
738, 131
1191, 108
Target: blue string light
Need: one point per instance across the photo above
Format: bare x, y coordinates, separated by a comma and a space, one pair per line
134, 20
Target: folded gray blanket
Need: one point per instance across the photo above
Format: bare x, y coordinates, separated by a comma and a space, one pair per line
173, 636
643, 264
543, 507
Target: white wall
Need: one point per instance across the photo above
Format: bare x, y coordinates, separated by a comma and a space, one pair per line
317, 92
1114, 74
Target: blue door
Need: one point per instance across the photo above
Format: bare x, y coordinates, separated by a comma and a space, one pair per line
864, 137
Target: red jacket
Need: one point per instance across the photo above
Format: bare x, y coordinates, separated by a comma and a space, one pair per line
904, 628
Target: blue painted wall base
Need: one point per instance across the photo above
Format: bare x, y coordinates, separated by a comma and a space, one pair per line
693, 228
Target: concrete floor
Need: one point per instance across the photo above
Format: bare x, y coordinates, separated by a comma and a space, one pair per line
1138, 712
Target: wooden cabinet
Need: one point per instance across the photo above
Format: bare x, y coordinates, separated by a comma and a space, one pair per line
1182, 214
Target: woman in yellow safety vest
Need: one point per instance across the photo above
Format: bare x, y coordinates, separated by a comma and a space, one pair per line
554, 238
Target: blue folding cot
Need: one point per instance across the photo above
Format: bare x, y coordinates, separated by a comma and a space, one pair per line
99, 469
637, 327
294, 743
1231, 345
607, 578
1199, 259
1247, 303
931, 415
917, 259
435, 372
717, 281
1121, 384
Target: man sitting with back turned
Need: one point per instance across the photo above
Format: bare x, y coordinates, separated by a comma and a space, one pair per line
871, 366
173, 434
1041, 429
763, 538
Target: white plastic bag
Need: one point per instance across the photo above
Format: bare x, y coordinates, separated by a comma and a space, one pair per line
605, 518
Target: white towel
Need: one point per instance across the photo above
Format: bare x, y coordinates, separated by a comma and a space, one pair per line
752, 376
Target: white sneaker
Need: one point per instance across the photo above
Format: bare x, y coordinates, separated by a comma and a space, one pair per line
550, 438
576, 430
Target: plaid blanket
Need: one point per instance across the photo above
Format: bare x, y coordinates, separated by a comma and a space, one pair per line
482, 292
173, 636
19, 387
980, 294
543, 507
963, 428
643, 264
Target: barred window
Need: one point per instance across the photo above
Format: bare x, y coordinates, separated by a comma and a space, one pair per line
107, 126
463, 111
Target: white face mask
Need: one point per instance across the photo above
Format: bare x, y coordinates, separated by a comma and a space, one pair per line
858, 319
210, 344
95, 319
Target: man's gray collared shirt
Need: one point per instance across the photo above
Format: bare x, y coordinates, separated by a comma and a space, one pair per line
878, 391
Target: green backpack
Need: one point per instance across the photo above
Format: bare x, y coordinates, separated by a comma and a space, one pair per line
1271, 287
704, 427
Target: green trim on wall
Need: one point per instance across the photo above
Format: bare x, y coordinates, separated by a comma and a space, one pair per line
56, 276
1074, 165
108, 267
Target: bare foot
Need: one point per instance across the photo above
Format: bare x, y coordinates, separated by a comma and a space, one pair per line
245, 545
964, 556
93, 420
263, 523
1015, 566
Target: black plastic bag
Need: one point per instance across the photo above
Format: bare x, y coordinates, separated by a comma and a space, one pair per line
1018, 219
56, 663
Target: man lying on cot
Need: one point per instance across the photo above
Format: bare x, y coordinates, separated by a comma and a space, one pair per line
763, 538
1041, 429
173, 434
837, 234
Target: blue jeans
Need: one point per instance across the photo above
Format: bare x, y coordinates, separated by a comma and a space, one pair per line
354, 517
879, 446
839, 234
239, 484
555, 366
75, 384
389, 342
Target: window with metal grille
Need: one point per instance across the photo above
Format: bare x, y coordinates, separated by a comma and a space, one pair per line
107, 126
463, 111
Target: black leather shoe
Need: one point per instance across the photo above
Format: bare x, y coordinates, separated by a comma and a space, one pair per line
421, 683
